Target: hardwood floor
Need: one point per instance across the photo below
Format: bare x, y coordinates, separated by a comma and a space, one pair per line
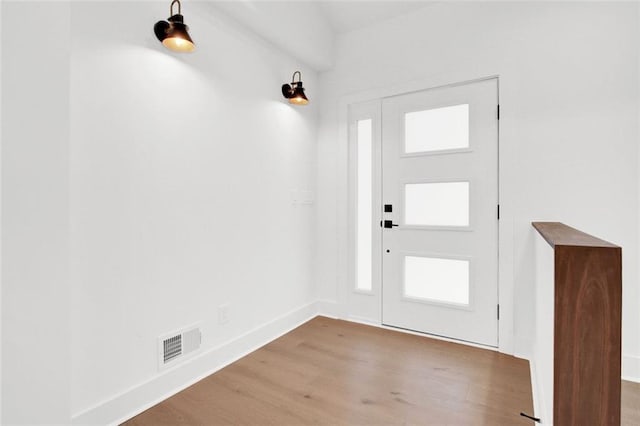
630, 415
331, 372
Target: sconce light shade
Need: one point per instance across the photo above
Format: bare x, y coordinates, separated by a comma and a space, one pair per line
173, 33
294, 91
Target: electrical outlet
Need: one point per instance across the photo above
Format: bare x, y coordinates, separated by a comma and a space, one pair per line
223, 314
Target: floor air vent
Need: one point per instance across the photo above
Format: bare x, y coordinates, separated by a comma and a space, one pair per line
177, 345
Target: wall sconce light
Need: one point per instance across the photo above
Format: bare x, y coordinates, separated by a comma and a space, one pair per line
294, 91
174, 34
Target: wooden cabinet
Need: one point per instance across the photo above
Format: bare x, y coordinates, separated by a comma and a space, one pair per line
586, 326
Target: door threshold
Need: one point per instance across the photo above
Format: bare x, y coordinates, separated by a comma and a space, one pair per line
420, 333
439, 337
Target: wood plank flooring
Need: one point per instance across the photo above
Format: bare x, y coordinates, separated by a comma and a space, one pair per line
332, 372
630, 415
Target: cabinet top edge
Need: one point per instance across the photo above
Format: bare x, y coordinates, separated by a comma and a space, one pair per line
559, 234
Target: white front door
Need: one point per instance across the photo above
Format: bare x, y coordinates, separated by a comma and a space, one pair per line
440, 196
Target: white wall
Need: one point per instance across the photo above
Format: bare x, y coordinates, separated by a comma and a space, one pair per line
543, 354
141, 190
35, 213
298, 28
0, 214
569, 128
182, 170
632, 360
172, 193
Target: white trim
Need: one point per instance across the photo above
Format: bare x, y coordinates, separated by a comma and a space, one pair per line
524, 345
1, 210
362, 320
329, 308
631, 368
431, 83
363, 292
136, 399
538, 401
436, 152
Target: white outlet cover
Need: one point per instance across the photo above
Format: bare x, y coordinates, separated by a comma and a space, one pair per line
223, 314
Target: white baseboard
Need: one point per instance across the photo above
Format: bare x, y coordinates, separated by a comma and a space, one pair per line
329, 308
631, 368
363, 320
539, 407
135, 400
523, 347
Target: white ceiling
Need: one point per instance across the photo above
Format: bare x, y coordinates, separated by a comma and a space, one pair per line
345, 16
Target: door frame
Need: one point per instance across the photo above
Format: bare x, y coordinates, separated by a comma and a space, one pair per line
347, 306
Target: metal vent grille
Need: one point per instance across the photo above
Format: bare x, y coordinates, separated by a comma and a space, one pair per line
172, 347
178, 345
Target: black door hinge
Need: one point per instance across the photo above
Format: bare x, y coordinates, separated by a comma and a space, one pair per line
498, 311
498, 211
498, 112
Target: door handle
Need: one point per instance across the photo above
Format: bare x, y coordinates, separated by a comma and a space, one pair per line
389, 224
